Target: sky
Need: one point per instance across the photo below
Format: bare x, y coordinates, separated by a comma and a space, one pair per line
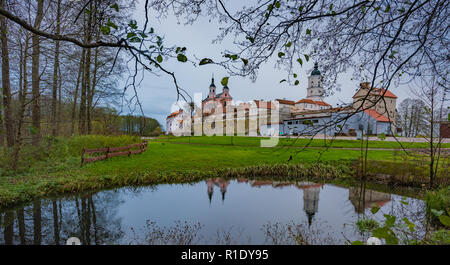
158, 95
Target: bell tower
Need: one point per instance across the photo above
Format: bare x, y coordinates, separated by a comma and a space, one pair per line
315, 89
212, 89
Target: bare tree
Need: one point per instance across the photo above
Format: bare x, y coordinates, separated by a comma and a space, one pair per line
6, 85
35, 79
55, 71
434, 96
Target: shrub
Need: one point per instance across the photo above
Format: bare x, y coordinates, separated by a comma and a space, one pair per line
365, 225
438, 205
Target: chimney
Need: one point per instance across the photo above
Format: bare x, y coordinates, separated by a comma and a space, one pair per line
365, 85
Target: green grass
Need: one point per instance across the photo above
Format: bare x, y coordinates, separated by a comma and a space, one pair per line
294, 142
177, 163
174, 157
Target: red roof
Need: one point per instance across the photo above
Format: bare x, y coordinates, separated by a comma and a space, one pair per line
310, 101
388, 93
173, 114
380, 92
376, 115
322, 103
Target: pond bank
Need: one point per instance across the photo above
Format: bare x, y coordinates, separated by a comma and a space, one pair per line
23, 190
172, 163
20, 190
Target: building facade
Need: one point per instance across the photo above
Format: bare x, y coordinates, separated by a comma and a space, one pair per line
371, 112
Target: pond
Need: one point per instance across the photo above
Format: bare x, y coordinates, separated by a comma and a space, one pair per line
214, 211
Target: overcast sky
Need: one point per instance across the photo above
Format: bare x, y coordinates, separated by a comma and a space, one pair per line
157, 93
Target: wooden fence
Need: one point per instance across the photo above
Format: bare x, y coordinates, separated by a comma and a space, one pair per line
107, 152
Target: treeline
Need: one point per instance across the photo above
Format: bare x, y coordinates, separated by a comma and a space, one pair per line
415, 117
55, 88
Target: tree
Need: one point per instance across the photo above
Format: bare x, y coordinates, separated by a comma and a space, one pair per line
35, 78
55, 71
434, 96
6, 85
411, 115
379, 40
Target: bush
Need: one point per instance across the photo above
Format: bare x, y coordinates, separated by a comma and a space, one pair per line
438, 205
439, 199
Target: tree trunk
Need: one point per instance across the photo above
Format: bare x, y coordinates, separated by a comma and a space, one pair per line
54, 119
86, 80
2, 140
36, 106
22, 99
92, 91
59, 108
75, 96
6, 85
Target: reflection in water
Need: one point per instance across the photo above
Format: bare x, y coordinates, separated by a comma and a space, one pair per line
91, 218
363, 199
219, 182
256, 211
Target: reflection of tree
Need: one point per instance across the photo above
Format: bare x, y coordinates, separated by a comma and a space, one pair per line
8, 230
181, 233
92, 218
293, 233
37, 222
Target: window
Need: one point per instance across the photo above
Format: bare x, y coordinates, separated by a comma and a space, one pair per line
289, 122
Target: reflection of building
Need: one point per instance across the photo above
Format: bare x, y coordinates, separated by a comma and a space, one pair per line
210, 185
222, 184
311, 193
366, 199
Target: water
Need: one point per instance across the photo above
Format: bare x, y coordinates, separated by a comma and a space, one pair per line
208, 212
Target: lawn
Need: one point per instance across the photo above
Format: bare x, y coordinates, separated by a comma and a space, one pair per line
290, 142
179, 157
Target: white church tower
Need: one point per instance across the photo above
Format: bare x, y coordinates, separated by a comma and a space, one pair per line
315, 87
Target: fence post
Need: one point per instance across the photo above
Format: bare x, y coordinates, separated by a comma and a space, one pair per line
82, 158
107, 153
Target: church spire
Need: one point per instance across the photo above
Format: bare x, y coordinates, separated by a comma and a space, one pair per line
316, 69
212, 81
